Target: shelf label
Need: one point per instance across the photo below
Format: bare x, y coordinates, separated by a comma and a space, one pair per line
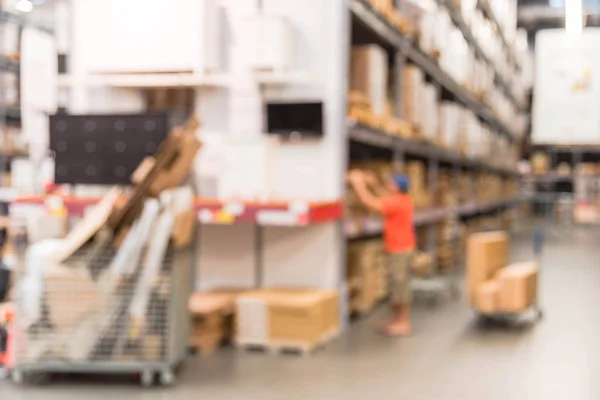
236, 209
205, 216
278, 218
298, 207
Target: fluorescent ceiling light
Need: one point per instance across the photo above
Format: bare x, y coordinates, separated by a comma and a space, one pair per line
24, 6
573, 17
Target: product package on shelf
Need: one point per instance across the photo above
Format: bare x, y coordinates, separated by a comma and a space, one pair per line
447, 250
369, 76
367, 275
418, 191
247, 169
451, 126
540, 163
287, 319
429, 113
446, 195
413, 81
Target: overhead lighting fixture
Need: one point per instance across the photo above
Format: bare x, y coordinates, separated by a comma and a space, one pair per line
24, 6
573, 17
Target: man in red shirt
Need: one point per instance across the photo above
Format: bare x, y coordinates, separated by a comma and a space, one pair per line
397, 209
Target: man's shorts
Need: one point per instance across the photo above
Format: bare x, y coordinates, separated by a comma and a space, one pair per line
399, 265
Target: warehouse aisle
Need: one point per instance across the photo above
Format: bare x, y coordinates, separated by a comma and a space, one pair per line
448, 357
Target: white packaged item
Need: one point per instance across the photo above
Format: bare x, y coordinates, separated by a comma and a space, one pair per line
42, 225
467, 8
28, 177
147, 35
265, 43
247, 168
29, 291
443, 26
429, 115
451, 124
155, 254
208, 164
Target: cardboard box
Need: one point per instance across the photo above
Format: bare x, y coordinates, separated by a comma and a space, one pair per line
518, 286
413, 81
486, 254
488, 297
369, 75
288, 316
213, 316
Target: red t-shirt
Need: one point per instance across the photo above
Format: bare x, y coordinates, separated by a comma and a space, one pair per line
398, 230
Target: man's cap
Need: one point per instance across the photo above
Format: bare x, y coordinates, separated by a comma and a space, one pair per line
402, 182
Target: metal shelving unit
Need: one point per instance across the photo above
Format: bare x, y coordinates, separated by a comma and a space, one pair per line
374, 226
485, 6
366, 135
390, 35
373, 27
458, 20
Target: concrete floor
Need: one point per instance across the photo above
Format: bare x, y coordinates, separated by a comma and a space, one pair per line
449, 357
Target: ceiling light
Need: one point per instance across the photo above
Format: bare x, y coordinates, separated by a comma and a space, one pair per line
573, 17
24, 6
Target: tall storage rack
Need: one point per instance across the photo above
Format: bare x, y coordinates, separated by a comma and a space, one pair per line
301, 241
372, 27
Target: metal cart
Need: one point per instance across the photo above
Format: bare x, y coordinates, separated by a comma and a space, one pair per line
93, 324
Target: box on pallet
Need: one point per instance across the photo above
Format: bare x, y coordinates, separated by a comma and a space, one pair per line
293, 318
517, 286
486, 254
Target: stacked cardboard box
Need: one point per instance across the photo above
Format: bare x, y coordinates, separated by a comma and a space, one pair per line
357, 213
422, 264
510, 289
369, 76
452, 126
446, 190
540, 163
294, 319
487, 253
212, 319
464, 187
418, 190
367, 276
446, 251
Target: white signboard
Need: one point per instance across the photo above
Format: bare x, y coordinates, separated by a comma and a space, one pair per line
567, 88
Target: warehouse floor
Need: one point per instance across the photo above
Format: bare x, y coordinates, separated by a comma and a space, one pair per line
450, 356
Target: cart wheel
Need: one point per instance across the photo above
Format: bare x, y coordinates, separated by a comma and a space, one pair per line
17, 376
167, 378
147, 378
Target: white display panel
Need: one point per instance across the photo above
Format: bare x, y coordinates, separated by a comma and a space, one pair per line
567, 88
147, 35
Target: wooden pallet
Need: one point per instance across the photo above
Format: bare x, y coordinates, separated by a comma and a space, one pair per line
277, 347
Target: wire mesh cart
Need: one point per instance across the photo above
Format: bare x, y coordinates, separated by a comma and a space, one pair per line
91, 319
